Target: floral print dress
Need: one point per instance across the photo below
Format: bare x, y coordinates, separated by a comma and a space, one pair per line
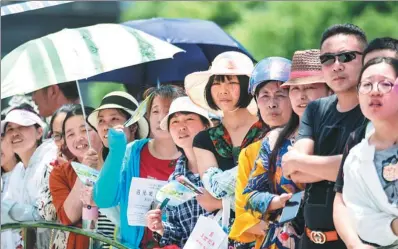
221, 181
265, 182
58, 239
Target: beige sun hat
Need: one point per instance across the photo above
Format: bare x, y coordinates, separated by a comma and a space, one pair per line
227, 63
184, 104
306, 68
124, 101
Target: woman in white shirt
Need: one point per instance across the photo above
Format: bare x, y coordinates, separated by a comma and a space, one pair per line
371, 168
10, 239
24, 129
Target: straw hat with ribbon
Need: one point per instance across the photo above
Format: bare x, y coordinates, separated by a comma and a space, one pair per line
227, 63
306, 68
183, 104
269, 69
124, 101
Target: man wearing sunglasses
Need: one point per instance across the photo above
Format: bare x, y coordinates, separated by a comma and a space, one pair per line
324, 129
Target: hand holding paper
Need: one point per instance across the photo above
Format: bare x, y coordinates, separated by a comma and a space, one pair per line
154, 221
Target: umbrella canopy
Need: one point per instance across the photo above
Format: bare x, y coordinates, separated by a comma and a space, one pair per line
74, 54
202, 40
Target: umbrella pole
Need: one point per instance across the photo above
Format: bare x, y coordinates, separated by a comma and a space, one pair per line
84, 113
86, 223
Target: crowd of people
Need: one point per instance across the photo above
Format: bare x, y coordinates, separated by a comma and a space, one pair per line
324, 123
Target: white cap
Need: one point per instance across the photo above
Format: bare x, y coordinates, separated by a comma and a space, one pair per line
23, 118
184, 104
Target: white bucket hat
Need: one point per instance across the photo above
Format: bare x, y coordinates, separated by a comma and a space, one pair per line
227, 63
124, 101
184, 104
23, 118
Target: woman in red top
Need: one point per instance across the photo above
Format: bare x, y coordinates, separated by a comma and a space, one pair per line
64, 186
145, 158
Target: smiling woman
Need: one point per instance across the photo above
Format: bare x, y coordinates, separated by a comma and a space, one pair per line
66, 188
23, 128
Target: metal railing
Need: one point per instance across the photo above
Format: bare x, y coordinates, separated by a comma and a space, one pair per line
30, 226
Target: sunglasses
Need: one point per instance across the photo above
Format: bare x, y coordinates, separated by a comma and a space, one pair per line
344, 57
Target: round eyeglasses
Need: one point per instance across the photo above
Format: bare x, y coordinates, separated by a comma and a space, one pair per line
56, 136
384, 87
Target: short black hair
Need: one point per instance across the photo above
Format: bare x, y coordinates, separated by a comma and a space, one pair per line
76, 111
382, 43
390, 61
345, 29
63, 109
244, 96
69, 90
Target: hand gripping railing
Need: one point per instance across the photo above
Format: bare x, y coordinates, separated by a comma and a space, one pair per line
27, 226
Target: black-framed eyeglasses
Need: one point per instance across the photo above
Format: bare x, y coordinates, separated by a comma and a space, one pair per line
384, 86
344, 57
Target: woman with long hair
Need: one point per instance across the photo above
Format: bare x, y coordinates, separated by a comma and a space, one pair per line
267, 189
145, 158
275, 110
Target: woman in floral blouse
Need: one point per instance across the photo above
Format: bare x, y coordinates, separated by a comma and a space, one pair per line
267, 189
223, 89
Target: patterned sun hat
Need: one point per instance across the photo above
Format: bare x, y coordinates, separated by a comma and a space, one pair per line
306, 68
269, 69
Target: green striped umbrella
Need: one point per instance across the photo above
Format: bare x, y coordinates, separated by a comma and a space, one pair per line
74, 54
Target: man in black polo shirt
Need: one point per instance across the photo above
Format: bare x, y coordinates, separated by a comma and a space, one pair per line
324, 129
379, 47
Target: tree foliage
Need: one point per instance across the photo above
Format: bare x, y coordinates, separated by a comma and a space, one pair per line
277, 28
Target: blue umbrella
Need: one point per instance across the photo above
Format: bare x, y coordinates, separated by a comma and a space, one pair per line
202, 40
